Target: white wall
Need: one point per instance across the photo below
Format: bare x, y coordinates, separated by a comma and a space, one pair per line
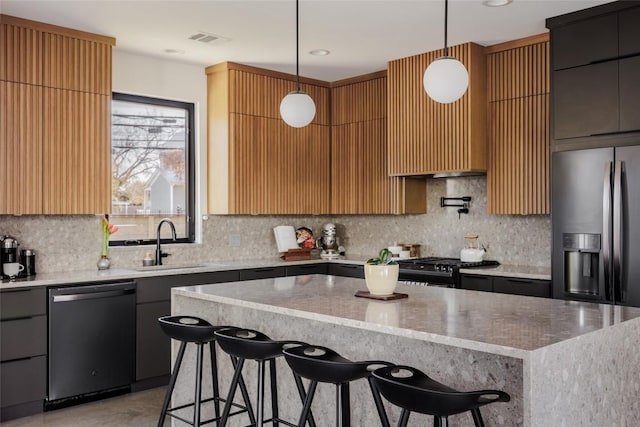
160, 78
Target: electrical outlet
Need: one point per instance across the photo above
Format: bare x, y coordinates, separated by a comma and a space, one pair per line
234, 240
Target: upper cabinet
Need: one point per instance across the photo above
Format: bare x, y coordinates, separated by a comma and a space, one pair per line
55, 117
359, 180
257, 164
426, 137
594, 82
518, 92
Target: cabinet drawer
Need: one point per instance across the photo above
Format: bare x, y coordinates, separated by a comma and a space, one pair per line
347, 270
153, 347
476, 283
158, 288
23, 303
297, 270
533, 288
262, 273
23, 381
23, 338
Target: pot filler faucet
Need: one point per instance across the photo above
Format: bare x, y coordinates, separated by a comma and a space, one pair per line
159, 253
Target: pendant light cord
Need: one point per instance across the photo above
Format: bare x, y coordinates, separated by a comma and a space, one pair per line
297, 53
446, 16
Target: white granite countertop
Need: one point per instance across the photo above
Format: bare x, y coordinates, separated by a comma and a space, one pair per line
495, 323
519, 271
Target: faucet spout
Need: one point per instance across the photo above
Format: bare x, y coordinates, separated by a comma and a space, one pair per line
159, 253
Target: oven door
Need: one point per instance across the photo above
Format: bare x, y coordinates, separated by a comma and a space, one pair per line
426, 278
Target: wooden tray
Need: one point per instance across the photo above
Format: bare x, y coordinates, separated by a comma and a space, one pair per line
390, 297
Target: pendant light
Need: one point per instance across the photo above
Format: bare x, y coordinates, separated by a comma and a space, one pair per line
297, 108
446, 79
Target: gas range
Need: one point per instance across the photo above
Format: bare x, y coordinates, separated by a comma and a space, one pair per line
436, 271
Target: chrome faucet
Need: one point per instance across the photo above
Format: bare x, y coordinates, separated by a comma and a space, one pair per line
159, 253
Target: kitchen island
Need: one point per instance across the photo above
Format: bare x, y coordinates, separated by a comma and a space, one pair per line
564, 363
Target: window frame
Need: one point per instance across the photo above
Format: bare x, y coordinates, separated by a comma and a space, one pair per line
190, 165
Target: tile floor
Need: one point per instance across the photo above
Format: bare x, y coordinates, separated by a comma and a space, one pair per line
139, 409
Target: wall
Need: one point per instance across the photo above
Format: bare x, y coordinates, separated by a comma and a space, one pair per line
67, 243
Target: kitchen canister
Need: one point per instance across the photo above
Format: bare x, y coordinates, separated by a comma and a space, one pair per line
28, 260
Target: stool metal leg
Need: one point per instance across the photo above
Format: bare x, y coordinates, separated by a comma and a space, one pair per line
303, 397
382, 414
172, 383
306, 408
232, 392
214, 379
261, 365
477, 418
198, 396
343, 416
404, 418
274, 392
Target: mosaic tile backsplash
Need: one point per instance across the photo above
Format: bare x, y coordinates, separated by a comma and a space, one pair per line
73, 243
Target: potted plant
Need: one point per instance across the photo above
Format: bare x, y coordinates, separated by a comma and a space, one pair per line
381, 273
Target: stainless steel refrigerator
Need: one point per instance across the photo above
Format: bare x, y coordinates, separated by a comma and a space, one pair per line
595, 215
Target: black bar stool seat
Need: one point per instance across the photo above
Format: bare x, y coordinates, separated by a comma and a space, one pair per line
323, 365
248, 344
191, 329
414, 391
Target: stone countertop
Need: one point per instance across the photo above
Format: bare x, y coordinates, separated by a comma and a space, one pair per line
500, 324
519, 271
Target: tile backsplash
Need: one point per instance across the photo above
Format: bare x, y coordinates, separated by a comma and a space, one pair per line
71, 243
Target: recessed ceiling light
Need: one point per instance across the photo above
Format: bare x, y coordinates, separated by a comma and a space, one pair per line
319, 52
496, 3
174, 51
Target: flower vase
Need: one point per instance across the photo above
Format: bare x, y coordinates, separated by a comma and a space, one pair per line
104, 263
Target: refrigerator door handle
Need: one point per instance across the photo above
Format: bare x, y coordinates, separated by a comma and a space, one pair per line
617, 233
606, 232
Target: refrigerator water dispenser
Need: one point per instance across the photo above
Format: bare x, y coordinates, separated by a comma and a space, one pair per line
581, 263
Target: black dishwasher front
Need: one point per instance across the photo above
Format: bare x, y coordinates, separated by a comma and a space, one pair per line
91, 341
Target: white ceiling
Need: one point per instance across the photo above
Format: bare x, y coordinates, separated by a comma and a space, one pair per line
362, 35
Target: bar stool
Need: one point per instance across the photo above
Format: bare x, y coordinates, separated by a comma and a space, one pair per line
323, 365
191, 329
249, 344
414, 391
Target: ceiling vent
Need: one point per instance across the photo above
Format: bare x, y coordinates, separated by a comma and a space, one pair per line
208, 38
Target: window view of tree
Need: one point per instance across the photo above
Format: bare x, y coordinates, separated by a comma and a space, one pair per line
149, 168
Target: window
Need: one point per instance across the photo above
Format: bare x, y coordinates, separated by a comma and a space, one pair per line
152, 165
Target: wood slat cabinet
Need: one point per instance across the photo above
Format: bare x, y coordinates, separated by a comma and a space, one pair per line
55, 137
258, 164
426, 137
359, 180
518, 95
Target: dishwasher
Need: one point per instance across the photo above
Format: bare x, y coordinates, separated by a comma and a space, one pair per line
91, 342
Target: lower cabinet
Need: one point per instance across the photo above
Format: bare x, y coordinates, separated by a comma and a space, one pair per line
23, 352
299, 270
347, 270
507, 285
262, 273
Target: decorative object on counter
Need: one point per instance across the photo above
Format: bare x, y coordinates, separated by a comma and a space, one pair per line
285, 238
107, 229
296, 254
446, 79
472, 252
381, 273
148, 260
464, 206
413, 248
329, 242
395, 250
297, 108
304, 237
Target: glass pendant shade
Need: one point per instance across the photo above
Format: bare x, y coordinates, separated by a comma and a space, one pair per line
297, 109
445, 80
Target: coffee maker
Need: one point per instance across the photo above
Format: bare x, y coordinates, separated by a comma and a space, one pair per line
329, 242
8, 252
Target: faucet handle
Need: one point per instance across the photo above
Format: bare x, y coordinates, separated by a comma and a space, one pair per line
164, 254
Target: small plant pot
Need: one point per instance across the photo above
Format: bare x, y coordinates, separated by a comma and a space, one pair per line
381, 279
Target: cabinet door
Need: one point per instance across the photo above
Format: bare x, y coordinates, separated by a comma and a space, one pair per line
278, 169
528, 287
586, 100
20, 148
297, 270
347, 270
153, 346
77, 153
262, 273
20, 54
630, 93
629, 32
23, 381
77, 64
584, 42
476, 282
